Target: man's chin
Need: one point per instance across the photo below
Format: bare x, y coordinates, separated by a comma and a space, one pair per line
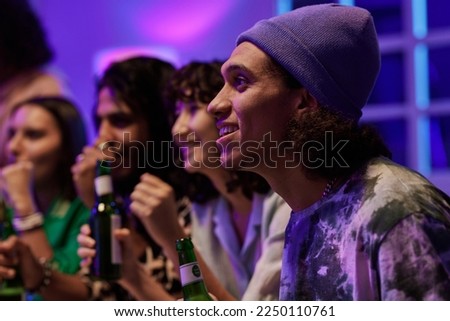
235, 160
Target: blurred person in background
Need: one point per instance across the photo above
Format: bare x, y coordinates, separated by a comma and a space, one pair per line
44, 136
132, 116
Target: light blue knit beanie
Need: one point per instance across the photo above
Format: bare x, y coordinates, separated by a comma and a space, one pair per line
332, 50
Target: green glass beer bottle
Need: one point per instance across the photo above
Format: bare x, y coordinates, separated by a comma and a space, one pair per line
105, 218
194, 288
10, 290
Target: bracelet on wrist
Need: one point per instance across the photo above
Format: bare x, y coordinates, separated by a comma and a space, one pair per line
47, 270
28, 223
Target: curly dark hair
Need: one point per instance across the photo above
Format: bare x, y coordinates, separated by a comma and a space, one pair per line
357, 143
140, 83
23, 41
360, 143
73, 132
196, 81
202, 81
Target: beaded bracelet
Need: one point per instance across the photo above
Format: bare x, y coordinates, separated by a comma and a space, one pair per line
28, 223
47, 269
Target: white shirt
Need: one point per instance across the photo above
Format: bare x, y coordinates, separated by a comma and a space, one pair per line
250, 272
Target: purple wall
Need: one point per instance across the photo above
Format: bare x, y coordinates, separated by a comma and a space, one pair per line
194, 29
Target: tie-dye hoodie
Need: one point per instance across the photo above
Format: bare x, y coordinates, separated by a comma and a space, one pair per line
383, 235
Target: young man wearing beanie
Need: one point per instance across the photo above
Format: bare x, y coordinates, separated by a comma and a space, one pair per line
362, 227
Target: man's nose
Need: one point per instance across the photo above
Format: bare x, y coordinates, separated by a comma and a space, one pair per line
181, 126
220, 106
105, 131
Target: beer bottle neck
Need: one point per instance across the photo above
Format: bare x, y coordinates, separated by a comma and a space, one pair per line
191, 278
187, 256
107, 198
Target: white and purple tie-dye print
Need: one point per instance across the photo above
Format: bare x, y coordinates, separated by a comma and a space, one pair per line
384, 235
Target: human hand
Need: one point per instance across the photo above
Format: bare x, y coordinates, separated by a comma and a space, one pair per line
153, 202
8, 261
83, 174
17, 181
16, 256
86, 246
86, 250
129, 255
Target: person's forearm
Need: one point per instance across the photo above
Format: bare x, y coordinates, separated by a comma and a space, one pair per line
65, 287
38, 243
213, 285
37, 276
143, 286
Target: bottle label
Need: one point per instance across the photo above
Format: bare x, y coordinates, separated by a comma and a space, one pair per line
116, 253
190, 273
103, 185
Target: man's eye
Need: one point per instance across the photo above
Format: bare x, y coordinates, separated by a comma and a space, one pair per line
120, 121
240, 83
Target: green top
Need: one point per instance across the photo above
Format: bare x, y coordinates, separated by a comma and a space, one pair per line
62, 223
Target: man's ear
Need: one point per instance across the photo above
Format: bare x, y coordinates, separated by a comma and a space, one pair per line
307, 100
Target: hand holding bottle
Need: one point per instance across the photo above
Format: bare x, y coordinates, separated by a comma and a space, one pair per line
86, 246
83, 173
8, 260
105, 218
86, 251
16, 256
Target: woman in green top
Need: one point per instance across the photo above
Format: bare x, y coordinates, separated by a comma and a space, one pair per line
44, 137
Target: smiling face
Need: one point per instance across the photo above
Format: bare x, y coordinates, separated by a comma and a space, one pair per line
34, 135
118, 124
196, 133
254, 106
